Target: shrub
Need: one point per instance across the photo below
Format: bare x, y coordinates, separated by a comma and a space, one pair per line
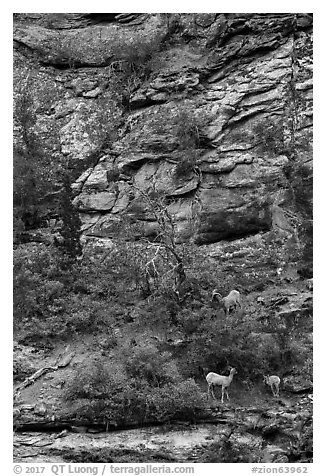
70, 229
243, 345
22, 368
93, 381
104, 395
182, 401
51, 302
173, 26
152, 366
188, 127
186, 165
300, 181
191, 319
270, 137
112, 175
230, 451
137, 56
34, 289
31, 166
133, 63
108, 396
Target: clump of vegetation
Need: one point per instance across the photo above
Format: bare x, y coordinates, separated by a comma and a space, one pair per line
137, 57
188, 128
115, 398
156, 368
31, 179
228, 450
70, 228
270, 137
95, 381
185, 165
302, 188
174, 26
22, 368
112, 174
302, 449
133, 64
52, 300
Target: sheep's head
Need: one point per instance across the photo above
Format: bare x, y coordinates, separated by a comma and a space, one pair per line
233, 371
265, 379
217, 295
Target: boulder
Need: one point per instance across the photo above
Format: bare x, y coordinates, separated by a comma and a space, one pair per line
297, 384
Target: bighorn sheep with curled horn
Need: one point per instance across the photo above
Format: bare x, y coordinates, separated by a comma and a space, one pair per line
274, 382
231, 301
216, 379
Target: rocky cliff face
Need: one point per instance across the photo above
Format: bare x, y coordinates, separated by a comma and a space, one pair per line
213, 118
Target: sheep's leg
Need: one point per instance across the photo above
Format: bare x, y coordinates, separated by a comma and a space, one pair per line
211, 392
222, 399
227, 395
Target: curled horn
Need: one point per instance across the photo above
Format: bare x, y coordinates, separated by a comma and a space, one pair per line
216, 294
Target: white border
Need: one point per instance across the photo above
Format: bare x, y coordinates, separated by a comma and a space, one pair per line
277, 6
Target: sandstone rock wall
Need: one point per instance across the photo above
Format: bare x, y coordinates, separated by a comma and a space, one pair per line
243, 82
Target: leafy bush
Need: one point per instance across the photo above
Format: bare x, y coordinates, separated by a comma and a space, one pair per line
301, 186
185, 165
112, 175
182, 401
188, 128
70, 229
152, 366
93, 381
245, 345
111, 397
34, 289
22, 368
137, 56
133, 63
270, 137
53, 302
173, 25
31, 165
228, 450
302, 449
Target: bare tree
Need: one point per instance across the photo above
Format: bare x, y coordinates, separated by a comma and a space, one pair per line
164, 246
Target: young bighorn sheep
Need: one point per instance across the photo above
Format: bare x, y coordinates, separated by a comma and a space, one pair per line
231, 301
216, 379
274, 382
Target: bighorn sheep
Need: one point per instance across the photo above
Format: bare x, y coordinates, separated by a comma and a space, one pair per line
216, 379
274, 382
229, 302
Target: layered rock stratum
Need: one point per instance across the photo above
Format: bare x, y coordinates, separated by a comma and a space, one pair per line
243, 82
